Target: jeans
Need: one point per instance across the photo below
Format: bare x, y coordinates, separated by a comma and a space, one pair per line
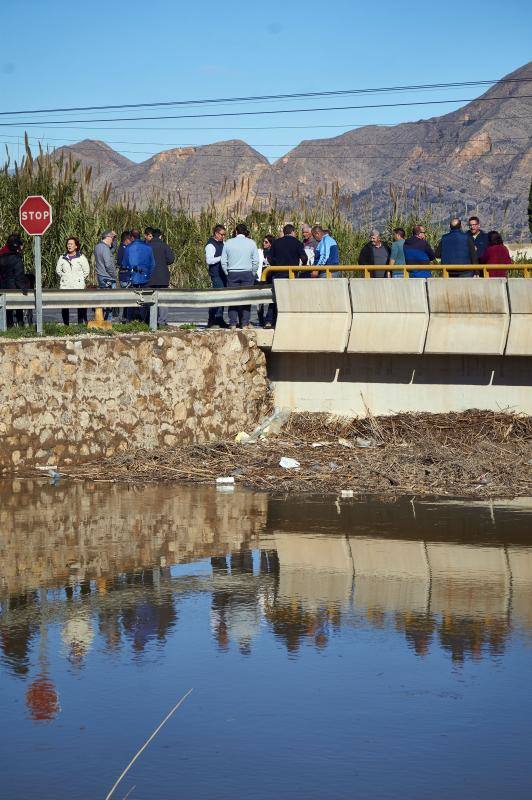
218, 281
106, 283
240, 314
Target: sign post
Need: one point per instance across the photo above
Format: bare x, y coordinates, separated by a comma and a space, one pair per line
35, 215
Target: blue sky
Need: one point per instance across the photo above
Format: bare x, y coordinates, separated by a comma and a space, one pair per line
61, 54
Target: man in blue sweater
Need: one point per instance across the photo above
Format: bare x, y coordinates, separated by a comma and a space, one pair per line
138, 260
240, 262
326, 252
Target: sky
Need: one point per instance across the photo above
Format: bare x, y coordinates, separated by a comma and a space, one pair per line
58, 54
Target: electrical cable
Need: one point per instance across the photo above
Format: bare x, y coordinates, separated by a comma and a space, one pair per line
259, 113
258, 98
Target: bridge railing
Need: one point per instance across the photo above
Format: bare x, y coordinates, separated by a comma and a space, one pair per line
129, 298
438, 270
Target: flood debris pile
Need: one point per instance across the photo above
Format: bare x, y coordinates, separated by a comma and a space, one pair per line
471, 454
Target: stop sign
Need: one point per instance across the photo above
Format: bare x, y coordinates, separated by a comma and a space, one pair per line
35, 215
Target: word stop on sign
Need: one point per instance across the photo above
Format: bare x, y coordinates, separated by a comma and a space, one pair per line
30, 216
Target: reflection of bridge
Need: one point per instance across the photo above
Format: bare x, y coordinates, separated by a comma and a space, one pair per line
397, 575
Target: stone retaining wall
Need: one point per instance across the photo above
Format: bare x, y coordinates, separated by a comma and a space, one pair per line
68, 400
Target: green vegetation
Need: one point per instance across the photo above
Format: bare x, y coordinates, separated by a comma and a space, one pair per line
55, 329
81, 212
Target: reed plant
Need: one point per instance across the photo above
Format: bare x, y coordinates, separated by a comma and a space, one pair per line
79, 210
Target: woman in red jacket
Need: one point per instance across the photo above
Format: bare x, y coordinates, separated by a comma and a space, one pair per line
496, 253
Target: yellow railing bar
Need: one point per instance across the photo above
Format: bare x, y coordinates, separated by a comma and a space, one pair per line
368, 268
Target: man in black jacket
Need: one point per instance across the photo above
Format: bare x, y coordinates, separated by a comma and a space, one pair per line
12, 275
160, 277
479, 237
287, 251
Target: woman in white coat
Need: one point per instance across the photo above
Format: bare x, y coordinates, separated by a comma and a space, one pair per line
73, 270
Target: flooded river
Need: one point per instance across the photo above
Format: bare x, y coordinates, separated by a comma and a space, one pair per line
336, 649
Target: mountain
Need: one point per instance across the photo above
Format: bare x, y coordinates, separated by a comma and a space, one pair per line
477, 158
106, 163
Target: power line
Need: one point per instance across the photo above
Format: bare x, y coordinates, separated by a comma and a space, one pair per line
349, 125
259, 113
260, 98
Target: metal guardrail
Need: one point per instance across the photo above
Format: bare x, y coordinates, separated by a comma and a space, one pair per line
368, 269
128, 298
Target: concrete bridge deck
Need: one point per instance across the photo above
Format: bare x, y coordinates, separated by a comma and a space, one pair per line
346, 345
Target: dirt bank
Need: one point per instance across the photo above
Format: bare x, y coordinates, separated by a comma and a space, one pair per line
473, 454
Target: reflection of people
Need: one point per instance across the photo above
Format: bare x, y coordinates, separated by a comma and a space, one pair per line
235, 612
418, 628
77, 634
15, 640
151, 618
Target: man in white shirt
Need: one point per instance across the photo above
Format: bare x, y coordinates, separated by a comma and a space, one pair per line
213, 257
240, 262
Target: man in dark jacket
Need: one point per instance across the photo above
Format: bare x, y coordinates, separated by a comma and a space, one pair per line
480, 237
123, 275
160, 277
287, 251
213, 257
12, 277
418, 252
376, 252
457, 247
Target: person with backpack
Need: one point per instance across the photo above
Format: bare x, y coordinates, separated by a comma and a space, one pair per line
12, 274
73, 270
139, 262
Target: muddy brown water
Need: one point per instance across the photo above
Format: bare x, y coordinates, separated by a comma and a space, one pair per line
336, 648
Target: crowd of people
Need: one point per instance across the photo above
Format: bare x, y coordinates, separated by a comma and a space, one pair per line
237, 262
136, 263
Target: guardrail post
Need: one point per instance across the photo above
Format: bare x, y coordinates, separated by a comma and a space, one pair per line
3, 315
154, 310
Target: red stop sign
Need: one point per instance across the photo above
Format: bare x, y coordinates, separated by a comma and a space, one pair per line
35, 215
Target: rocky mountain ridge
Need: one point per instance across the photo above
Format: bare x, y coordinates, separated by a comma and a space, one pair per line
476, 159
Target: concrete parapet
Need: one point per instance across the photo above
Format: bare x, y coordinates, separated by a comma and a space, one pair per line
314, 316
389, 316
520, 334
467, 316
313, 295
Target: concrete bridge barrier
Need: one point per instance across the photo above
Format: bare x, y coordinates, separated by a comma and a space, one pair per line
520, 334
468, 316
389, 316
313, 316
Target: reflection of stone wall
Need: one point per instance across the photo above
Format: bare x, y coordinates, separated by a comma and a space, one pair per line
52, 535
71, 400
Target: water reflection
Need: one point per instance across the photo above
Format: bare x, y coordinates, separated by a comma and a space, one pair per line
96, 559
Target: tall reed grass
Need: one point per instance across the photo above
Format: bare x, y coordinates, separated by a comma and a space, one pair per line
79, 211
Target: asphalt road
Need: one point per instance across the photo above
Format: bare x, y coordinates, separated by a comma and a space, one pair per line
176, 316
